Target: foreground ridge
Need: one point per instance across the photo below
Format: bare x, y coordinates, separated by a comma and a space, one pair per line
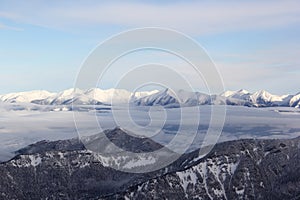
242, 169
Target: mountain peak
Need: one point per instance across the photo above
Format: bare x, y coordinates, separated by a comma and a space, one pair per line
243, 91
263, 94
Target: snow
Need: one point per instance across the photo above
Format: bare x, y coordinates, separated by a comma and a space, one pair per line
109, 96
218, 167
237, 93
76, 96
265, 96
228, 93
61, 155
186, 178
233, 167
107, 161
35, 160
241, 97
266, 153
203, 172
115, 95
140, 162
83, 165
166, 97
217, 192
124, 161
239, 191
30, 161
170, 97
215, 167
295, 100
22, 97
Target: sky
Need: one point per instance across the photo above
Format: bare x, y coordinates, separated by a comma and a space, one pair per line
254, 44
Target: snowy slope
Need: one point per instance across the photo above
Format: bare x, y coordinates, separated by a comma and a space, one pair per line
115, 96
93, 96
240, 94
264, 98
295, 101
175, 98
241, 97
25, 97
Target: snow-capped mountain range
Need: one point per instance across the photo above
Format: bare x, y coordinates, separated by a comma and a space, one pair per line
167, 97
261, 98
91, 96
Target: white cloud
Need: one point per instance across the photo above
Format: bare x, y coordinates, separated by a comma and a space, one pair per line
191, 17
5, 27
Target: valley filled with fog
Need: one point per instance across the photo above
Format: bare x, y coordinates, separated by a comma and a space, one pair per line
24, 124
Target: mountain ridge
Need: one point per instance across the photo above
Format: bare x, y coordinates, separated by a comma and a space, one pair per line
241, 169
167, 97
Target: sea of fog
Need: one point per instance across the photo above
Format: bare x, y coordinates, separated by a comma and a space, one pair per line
24, 124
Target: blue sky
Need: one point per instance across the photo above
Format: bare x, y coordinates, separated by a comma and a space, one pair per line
255, 44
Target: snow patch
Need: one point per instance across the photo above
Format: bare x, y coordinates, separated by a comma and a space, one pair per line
35, 160
141, 161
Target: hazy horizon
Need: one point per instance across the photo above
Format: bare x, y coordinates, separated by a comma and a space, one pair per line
153, 89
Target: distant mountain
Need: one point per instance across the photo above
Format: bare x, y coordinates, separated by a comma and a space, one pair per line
167, 98
295, 101
240, 94
243, 169
264, 98
241, 97
26, 97
93, 96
